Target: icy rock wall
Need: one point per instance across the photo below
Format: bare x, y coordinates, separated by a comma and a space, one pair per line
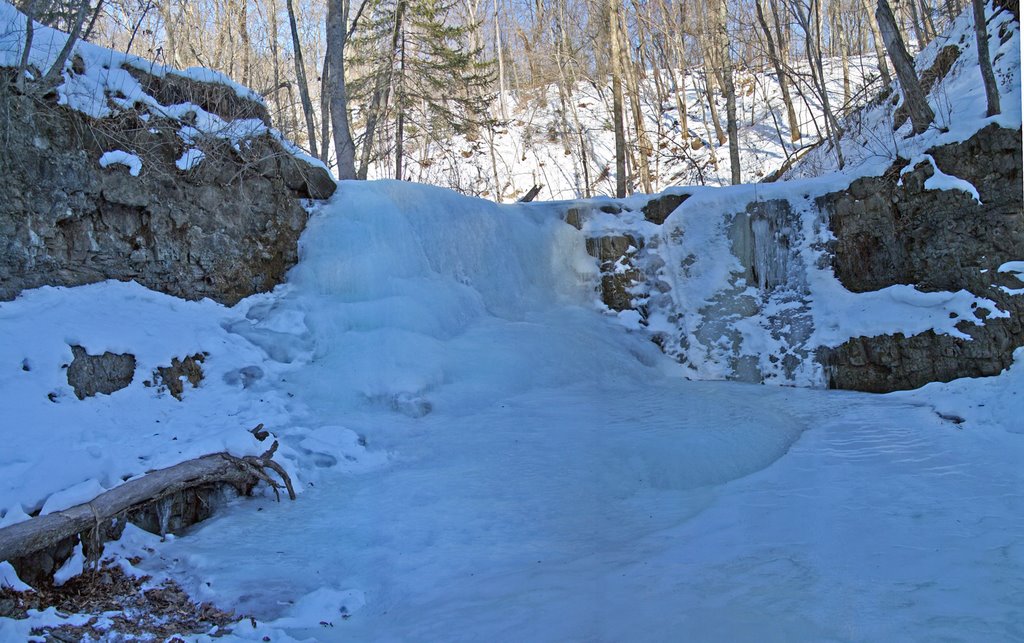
715, 276
892, 229
876, 283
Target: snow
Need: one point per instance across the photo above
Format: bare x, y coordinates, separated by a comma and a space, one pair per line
191, 158
97, 443
870, 144
940, 180
71, 568
529, 148
120, 157
9, 578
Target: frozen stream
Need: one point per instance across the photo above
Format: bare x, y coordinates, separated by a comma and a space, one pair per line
527, 470
574, 516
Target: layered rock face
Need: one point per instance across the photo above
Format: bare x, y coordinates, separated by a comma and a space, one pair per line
224, 228
916, 226
891, 230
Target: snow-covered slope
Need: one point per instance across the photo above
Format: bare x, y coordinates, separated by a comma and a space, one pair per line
871, 141
483, 454
540, 142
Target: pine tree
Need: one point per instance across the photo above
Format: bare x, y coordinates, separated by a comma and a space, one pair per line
416, 71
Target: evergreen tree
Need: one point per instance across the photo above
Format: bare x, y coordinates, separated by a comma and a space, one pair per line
414, 70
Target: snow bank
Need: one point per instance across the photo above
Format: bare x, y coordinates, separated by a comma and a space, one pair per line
60, 451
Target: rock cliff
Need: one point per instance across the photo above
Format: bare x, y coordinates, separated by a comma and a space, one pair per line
892, 230
203, 214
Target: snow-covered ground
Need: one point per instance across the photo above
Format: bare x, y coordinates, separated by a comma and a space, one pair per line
484, 454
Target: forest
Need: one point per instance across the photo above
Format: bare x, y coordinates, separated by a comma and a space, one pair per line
392, 83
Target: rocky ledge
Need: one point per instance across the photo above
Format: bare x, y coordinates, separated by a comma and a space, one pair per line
213, 215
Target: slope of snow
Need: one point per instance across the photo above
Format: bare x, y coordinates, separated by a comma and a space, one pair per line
870, 144
532, 147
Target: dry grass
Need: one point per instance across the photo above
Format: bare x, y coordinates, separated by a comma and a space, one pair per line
119, 608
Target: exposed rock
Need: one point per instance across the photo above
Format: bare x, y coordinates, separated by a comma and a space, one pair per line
106, 373
619, 274
224, 229
574, 217
657, 210
935, 240
174, 89
171, 377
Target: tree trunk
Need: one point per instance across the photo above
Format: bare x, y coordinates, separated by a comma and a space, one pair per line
773, 55
170, 32
300, 78
681, 107
69, 44
243, 32
620, 135
915, 21
883, 67
26, 538
725, 60
325, 106
643, 145
381, 96
400, 109
984, 60
921, 114
344, 148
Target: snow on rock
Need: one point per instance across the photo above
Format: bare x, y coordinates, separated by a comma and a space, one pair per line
9, 579
940, 180
120, 157
190, 159
72, 567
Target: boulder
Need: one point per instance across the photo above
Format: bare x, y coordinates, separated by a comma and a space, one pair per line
91, 374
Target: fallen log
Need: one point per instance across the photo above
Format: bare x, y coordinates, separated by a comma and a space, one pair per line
22, 540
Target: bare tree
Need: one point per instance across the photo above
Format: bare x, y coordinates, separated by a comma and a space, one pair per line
921, 114
58, 65
725, 71
984, 60
774, 56
344, 148
620, 135
883, 68
300, 76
